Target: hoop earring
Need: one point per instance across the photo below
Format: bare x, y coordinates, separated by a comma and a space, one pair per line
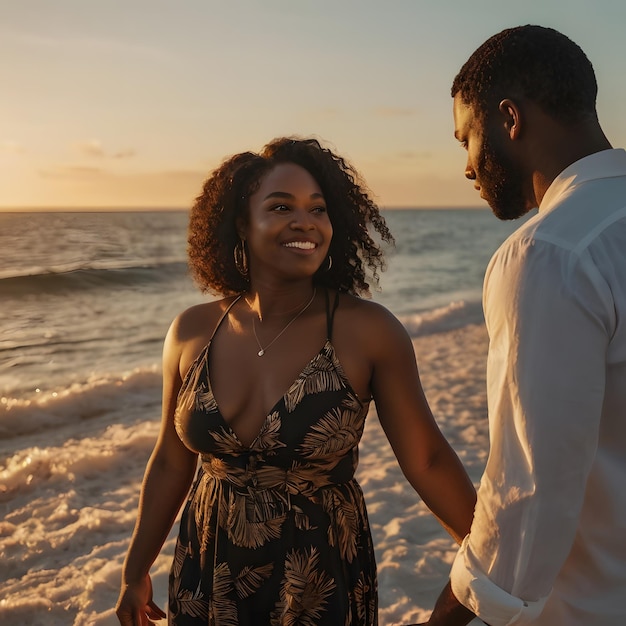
330, 263
241, 258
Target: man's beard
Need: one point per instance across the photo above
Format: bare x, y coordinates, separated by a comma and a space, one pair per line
501, 183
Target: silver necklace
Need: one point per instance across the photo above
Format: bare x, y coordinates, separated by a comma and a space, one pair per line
263, 350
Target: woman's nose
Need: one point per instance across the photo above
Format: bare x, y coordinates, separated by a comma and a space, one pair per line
302, 220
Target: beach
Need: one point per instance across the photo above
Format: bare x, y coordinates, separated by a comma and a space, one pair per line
87, 300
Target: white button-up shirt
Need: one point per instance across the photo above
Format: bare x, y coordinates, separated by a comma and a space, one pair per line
548, 542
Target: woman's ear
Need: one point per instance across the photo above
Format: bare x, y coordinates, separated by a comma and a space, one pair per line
512, 118
240, 226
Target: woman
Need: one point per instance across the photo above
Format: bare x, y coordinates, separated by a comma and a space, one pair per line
270, 388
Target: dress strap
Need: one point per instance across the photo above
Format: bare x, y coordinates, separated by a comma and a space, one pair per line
330, 313
224, 314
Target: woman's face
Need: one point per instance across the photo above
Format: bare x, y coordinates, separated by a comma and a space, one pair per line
288, 232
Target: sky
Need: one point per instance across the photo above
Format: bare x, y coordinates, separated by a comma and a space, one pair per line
131, 103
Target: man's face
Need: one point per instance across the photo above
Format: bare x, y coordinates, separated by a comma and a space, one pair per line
489, 163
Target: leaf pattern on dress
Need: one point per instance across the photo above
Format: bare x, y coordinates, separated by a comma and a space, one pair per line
222, 608
193, 382
301, 519
338, 430
268, 439
179, 558
344, 525
263, 505
320, 375
226, 442
307, 479
251, 578
192, 603
372, 600
271, 477
204, 500
352, 403
360, 595
223, 471
303, 591
204, 400
246, 533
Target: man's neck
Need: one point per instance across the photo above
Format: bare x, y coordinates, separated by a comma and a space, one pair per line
560, 146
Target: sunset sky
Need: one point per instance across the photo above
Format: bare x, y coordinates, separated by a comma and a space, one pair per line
130, 103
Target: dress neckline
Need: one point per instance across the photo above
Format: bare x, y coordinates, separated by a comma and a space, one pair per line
328, 348
203, 357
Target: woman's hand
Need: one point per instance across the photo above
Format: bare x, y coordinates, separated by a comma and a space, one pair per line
135, 606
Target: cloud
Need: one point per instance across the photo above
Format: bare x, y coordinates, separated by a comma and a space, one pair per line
74, 172
94, 149
124, 154
12, 146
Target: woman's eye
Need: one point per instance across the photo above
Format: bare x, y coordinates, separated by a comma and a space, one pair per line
280, 207
319, 209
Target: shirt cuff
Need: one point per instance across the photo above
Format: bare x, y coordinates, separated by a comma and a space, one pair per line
491, 603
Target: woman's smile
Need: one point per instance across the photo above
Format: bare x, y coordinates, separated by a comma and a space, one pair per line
301, 245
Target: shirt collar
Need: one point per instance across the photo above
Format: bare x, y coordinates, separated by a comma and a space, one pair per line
603, 164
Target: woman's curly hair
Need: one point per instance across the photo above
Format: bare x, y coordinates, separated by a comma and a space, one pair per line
212, 234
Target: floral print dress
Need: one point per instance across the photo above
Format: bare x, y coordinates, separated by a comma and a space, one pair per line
276, 532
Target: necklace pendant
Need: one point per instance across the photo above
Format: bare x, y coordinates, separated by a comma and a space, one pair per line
262, 350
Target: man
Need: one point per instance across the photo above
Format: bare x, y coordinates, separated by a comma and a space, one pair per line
548, 541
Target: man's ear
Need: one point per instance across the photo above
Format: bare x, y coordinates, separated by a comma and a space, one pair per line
512, 118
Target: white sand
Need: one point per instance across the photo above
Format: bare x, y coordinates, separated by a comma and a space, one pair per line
68, 506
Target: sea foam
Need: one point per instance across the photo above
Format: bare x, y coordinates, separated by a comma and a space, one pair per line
457, 314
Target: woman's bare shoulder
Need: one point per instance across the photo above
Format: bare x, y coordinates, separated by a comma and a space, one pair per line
366, 310
198, 321
190, 332
368, 319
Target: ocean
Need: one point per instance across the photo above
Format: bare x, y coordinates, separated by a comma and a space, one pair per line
87, 297
85, 302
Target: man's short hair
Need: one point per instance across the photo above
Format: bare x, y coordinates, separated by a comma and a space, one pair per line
530, 62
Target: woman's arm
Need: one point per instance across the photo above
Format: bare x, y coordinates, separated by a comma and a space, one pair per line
167, 480
425, 456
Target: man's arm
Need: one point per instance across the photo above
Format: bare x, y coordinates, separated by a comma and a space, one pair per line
449, 611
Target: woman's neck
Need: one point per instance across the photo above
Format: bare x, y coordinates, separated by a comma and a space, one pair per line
279, 302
